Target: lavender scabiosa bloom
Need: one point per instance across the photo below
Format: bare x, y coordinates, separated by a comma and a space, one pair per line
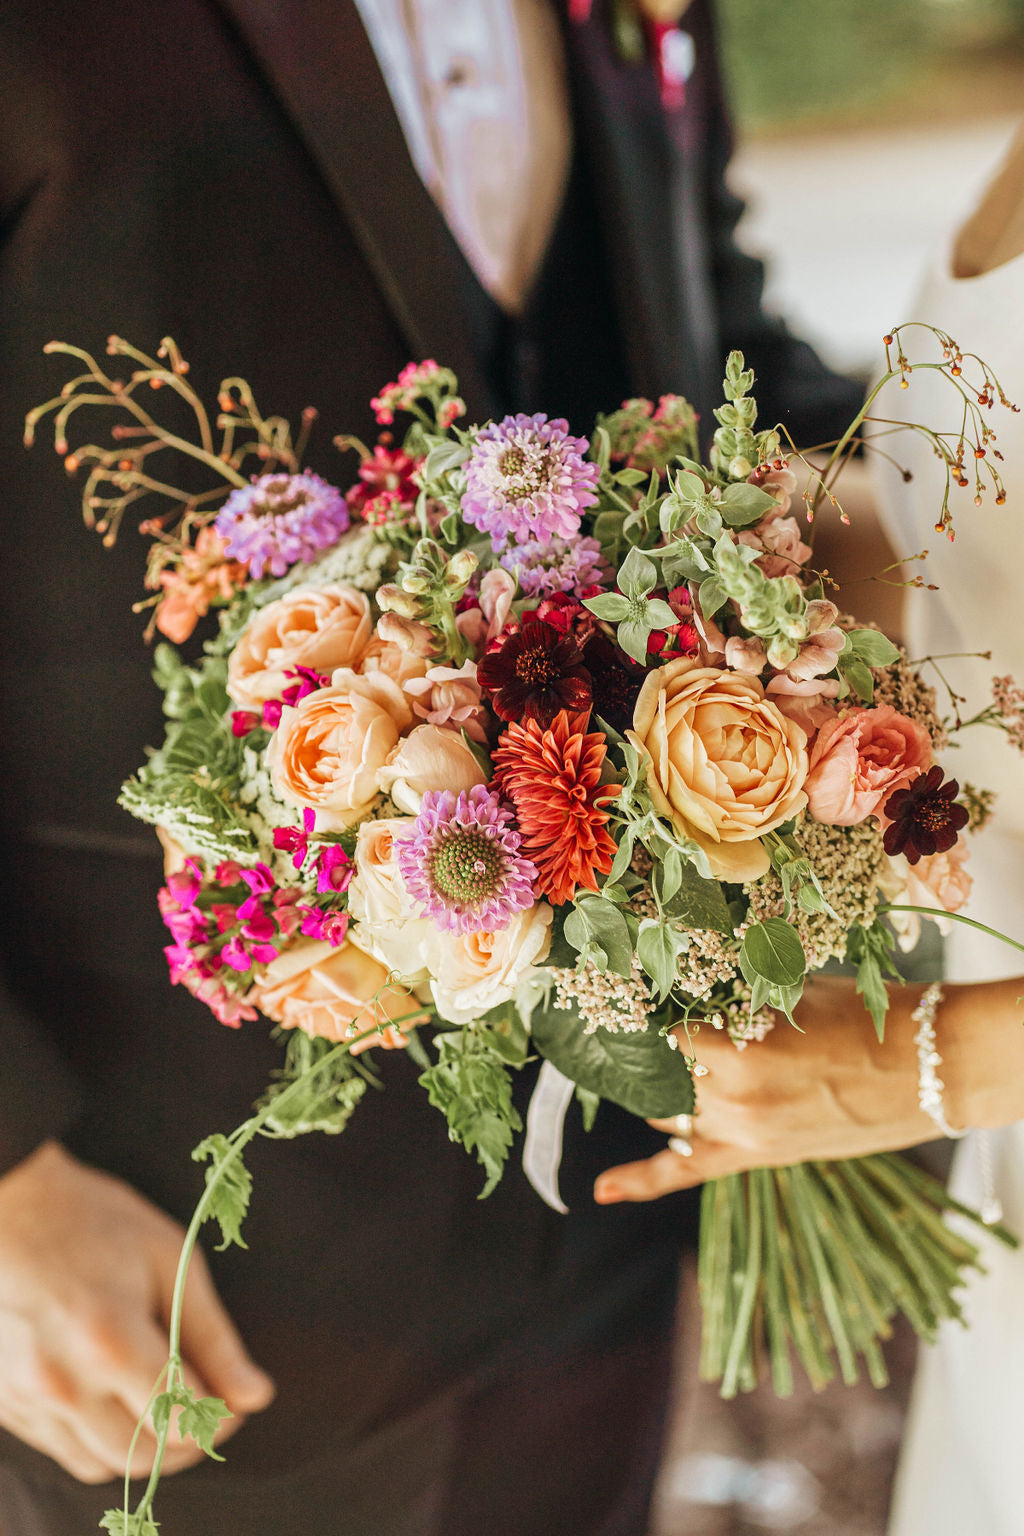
279, 520
462, 862
527, 480
558, 566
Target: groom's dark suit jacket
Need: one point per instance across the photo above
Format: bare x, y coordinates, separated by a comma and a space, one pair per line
231, 173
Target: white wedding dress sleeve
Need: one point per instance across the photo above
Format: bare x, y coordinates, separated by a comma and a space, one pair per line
962, 1472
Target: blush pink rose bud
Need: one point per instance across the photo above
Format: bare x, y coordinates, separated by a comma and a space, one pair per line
859, 759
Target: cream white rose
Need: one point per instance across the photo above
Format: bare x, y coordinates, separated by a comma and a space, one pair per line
473, 972
387, 922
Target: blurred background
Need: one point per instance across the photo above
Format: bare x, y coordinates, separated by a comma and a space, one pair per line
865, 129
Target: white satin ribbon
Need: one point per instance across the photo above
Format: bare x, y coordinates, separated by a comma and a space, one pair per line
542, 1149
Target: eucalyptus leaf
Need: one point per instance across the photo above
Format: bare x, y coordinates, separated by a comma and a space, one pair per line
657, 948
637, 1070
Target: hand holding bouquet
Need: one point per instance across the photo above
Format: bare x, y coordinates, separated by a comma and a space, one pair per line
528, 745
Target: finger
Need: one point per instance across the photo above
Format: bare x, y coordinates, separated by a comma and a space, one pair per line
106, 1429
666, 1172
213, 1347
58, 1440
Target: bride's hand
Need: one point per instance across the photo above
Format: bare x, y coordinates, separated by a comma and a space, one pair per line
833, 1090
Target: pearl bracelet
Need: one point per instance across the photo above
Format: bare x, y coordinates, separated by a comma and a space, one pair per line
929, 1083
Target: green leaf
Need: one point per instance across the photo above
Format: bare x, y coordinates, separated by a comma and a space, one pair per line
688, 487
870, 950
328, 1096
601, 448
638, 574
871, 647
632, 637
231, 1186
589, 1103
200, 1418
611, 606
660, 615
638, 1070
657, 949
712, 596
772, 949
630, 476
471, 1086
699, 903
858, 675
744, 505
121, 1523
445, 457
667, 874
594, 922
449, 527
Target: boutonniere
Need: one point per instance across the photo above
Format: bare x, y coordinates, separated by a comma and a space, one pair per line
649, 29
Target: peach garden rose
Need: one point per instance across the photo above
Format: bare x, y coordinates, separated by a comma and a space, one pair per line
328, 750
335, 992
724, 765
318, 627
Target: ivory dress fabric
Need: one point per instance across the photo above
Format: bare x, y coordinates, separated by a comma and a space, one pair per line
962, 1470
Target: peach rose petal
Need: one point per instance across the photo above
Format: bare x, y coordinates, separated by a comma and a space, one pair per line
322, 628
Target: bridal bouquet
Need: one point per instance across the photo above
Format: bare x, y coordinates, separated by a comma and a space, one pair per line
527, 745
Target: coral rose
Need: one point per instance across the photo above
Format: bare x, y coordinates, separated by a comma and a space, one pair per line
329, 748
723, 764
859, 759
318, 627
474, 972
334, 992
430, 757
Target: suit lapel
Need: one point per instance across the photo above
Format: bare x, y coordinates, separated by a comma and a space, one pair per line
316, 55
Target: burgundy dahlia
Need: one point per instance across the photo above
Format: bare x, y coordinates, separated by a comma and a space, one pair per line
534, 673
924, 818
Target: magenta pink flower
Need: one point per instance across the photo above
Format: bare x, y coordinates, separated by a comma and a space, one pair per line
333, 868
295, 840
260, 881
328, 926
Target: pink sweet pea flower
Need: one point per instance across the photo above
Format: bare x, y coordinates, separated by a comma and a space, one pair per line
236, 955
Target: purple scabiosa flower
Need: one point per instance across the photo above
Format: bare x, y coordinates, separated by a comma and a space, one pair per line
527, 480
576, 567
281, 519
462, 862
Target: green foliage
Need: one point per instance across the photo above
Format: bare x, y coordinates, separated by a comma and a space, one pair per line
699, 903
773, 951
199, 1419
635, 613
871, 951
193, 780
470, 1084
326, 1101
229, 1183
638, 1070
589, 1103
658, 948
601, 932
120, 1522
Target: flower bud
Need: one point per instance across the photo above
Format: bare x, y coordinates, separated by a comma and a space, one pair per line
461, 568
391, 599
740, 467
417, 582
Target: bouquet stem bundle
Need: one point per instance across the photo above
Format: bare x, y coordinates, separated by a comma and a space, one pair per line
821, 1257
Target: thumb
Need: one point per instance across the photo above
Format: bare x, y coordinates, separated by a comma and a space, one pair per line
212, 1345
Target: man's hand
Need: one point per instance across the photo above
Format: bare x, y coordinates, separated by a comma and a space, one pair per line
87, 1269
832, 1090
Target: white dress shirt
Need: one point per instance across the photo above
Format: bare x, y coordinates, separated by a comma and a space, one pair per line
480, 91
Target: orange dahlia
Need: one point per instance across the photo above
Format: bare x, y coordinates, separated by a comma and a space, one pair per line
552, 777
